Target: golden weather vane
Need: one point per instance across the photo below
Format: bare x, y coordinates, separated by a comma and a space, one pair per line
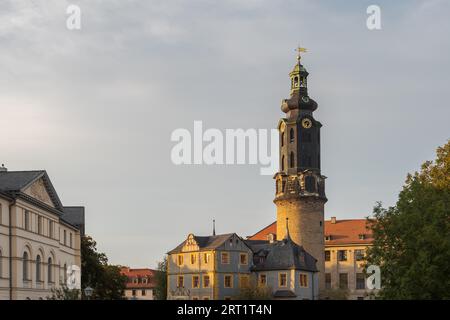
299, 51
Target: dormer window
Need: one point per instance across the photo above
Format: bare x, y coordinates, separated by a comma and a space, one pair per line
328, 237
362, 236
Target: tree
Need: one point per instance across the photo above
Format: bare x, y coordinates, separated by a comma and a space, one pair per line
106, 280
253, 291
412, 239
161, 280
64, 293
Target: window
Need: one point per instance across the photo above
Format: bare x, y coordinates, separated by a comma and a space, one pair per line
40, 224
193, 258
284, 186
303, 280
359, 254
70, 240
49, 270
38, 268
206, 257
1, 264
143, 293
27, 220
206, 282
1, 214
327, 255
362, 236
360, 281
282, 163
282, 280
225, 257
195, 282
133, 293
327, 280
262, 279
342, 255
343, 281
327, 237
228, 281
244, 281
50, 228
243, 258
65, 273
180, 260
282, 139
25, 266
180, 282
65, 237
292, 160
291, 135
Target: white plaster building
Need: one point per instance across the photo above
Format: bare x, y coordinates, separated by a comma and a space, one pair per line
39, 237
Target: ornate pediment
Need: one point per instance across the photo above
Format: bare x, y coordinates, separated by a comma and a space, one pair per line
190, 244
38, 191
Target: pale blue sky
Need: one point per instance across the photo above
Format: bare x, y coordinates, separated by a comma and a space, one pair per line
96, 107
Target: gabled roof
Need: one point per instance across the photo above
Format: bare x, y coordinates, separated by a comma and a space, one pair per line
139, 274
342, 232
13, 183
281, 255
206, 242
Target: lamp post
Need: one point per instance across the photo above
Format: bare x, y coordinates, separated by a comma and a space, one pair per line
88, 292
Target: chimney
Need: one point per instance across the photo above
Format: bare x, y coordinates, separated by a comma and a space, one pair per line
333, 220
3, 169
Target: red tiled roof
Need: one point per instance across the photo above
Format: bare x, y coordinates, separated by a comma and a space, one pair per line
148, 274
342, 232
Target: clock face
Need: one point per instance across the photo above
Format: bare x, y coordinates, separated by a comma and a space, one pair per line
305, 99
306, 123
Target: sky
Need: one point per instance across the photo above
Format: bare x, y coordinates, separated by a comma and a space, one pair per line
96, 107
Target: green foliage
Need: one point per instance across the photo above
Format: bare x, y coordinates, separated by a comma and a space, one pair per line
253, 291
64, 293
161, 280
106, 280
412, 239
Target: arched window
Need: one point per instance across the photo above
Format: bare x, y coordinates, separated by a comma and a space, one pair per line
291, 135
25, 266
282, 163
65, 273
291, 160
282, 139
295, 81
38, 268
1, 264
49, 270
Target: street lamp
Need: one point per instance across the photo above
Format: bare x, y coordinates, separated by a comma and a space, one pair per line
88, 292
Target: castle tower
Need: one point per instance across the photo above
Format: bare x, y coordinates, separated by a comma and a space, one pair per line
300, 187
